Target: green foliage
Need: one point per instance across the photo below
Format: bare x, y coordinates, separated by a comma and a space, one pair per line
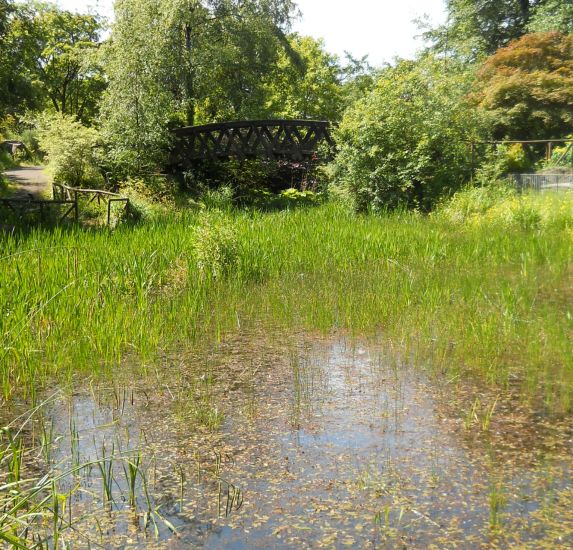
137, 105
171, 63
218, 199
501, 206
562, 157
231, 55
67, 65
513, 158
473, 202
6, 161
527, 88
70, 150
358, 78
263, 199
553, 15
501, 160
309, 89
404, 145
48, 61
216, 247
18, 90
476, 28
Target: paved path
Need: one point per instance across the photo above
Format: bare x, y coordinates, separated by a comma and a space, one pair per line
29, 180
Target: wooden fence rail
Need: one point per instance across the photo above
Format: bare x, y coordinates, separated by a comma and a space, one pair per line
61, 191
23, 207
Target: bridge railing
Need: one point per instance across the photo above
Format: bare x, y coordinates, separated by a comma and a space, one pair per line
295, 140
23, 208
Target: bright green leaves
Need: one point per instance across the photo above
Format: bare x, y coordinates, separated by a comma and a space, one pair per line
405, 144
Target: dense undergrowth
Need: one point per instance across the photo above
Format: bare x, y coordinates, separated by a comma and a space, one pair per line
469, 292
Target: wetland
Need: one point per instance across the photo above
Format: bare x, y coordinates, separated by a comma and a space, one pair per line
300, 379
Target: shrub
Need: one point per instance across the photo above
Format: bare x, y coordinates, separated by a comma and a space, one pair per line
501, 205
249, 177
154, 188
70, 150
503, 160
474, 201
216, 249
405, 144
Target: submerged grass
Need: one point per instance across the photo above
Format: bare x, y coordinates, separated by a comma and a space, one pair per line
478, 299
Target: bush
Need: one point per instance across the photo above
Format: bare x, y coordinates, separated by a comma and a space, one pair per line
405, 145
6, 160
501, 205
502, 160
216, 247
247, 178
475, 201
30, 137
70, 150
154, 188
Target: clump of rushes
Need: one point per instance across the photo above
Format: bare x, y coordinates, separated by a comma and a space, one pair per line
484, 299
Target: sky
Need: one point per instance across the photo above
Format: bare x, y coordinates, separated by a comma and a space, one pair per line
381, 29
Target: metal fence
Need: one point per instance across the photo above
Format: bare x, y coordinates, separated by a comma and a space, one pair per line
543, 182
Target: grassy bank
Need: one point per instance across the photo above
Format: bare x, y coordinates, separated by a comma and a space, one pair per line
487, 299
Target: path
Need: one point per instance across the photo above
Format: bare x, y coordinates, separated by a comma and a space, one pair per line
29, 180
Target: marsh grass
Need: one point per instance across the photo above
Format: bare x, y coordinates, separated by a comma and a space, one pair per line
478, 299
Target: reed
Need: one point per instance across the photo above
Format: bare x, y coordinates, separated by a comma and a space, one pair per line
482, 299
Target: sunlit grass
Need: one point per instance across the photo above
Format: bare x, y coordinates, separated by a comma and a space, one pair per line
477, 299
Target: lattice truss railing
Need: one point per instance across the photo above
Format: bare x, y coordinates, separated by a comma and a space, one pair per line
295, 140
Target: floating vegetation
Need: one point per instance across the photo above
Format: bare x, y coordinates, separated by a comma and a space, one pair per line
332, 445
321, 379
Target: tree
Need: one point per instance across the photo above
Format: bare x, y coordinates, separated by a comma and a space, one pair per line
479, 27
183, 62
405, 144
232, 57
144, 85
66, 62
308, 89
358, 79
17, 75
553, 15
47, 56
70, 149
527, 87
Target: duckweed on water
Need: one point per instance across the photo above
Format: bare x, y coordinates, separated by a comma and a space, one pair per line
175, 422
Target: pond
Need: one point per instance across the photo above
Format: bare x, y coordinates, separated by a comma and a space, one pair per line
302, 441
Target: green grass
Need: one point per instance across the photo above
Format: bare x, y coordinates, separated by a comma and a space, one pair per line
481, 299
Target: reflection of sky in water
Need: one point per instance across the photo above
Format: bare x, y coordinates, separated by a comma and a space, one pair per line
336, 434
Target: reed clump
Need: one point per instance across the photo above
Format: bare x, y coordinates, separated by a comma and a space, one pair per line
466, 297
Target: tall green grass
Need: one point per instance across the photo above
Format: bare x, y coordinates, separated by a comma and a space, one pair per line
480, 299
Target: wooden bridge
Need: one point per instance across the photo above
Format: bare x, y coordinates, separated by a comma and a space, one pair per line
294, 140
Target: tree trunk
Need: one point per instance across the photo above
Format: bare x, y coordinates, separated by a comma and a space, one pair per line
525, 8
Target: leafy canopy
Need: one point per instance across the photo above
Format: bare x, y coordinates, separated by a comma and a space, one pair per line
48, 60
404, 144
70, 149
527, 87
176, 62
477, 28
310, 88
553, 15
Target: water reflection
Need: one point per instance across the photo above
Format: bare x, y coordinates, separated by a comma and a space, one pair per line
305, 442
